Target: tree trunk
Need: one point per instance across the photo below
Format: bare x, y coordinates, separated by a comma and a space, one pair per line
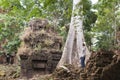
67, 52
73, 46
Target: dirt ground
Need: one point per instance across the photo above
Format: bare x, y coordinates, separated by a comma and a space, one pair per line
9, 72
12, 72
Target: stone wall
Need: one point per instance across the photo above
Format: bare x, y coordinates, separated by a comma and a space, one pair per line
103, 65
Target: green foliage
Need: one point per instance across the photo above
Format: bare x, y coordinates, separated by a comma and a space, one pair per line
63, 32
106, 25
104, 42
57, 11
88, 20
100, 24
9, 32
18, 12
11, 46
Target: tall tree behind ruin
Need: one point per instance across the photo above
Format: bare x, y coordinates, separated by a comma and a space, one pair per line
73, 46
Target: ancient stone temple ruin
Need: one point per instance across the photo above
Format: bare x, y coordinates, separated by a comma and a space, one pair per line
40, 48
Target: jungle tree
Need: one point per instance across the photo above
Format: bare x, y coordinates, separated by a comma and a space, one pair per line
73, 46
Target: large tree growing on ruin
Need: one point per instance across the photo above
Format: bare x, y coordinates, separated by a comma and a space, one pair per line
73, 46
